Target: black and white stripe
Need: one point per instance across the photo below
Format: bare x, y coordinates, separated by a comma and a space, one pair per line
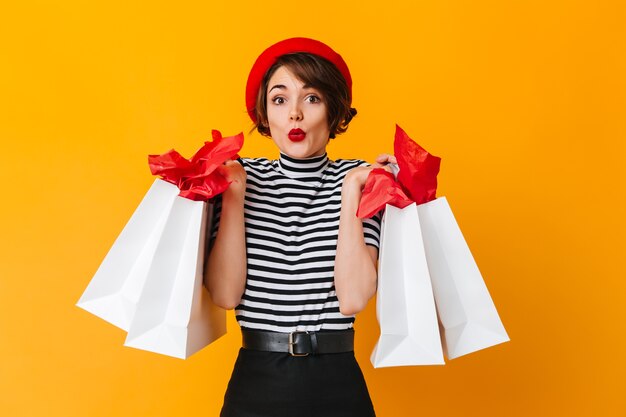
291, 215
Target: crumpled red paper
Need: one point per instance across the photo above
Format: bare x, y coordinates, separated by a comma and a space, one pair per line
198, 178
417, 178
381, 188
418, 168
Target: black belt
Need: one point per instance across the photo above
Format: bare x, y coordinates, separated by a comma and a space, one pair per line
299, 343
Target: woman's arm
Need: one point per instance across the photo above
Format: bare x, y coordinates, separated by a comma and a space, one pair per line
356, 265
225, 270
355, 262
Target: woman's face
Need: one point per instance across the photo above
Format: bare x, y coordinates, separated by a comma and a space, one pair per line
291, 105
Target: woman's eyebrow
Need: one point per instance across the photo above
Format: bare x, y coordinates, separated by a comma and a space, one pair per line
279, 86
282, 87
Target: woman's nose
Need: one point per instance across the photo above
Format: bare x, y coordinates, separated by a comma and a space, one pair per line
295, 114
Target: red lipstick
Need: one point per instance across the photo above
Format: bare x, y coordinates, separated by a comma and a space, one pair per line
296, 135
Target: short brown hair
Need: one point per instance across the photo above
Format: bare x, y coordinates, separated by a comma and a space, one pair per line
320, 74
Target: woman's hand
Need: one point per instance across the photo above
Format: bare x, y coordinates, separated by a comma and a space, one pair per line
383, 159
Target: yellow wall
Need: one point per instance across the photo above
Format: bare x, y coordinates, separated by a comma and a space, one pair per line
524, 101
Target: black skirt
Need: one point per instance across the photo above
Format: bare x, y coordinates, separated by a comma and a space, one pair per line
270, 384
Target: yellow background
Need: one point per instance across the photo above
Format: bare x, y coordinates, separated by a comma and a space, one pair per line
523, 100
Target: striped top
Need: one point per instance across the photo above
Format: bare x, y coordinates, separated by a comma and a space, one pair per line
291, 212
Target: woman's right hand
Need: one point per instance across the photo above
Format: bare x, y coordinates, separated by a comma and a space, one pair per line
236, 175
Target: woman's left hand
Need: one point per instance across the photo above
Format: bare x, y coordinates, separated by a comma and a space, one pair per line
383, 159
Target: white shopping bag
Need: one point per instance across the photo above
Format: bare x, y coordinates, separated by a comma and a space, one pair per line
175, 315
113, 292
467, 314
405, 308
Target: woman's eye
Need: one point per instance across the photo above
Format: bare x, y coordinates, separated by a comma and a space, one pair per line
313, 99
278, 100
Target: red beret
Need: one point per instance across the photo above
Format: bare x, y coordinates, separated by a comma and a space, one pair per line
271, 54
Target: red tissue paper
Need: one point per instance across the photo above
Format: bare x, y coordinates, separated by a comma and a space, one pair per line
417, 178
381, 188
198, 178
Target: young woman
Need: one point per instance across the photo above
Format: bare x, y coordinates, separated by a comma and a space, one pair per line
288, 252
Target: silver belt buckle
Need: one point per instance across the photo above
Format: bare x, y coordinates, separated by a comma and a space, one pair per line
291, 343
